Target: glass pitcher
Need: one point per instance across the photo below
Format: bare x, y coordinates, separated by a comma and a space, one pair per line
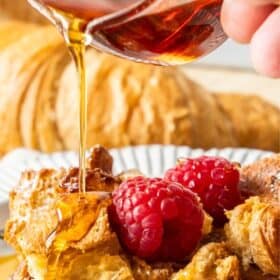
165, 32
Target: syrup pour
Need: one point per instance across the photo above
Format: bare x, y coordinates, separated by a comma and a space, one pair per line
71, 17
76, 212
149, 30
76, 42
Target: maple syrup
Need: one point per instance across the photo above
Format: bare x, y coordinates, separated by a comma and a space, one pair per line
174, 35
76, 215
77, 46
8, 265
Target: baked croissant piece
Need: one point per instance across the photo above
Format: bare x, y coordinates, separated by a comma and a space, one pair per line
129, 103
33, 224
253, 231
54, 230
212, 261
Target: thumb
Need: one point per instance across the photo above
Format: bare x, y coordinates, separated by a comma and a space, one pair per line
241, 19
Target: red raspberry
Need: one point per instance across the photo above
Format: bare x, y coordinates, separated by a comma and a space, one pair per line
214, 179
157, 220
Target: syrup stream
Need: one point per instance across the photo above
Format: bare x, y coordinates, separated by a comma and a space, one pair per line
77, 48
68, 228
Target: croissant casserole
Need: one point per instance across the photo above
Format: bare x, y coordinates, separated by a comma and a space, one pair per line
80, 241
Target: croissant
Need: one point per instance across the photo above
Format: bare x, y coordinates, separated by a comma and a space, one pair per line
253, 231
20, 9
23, 103
137, 104
255, 122
129, 103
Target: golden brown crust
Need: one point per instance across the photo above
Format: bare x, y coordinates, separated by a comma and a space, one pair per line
253, 234
33, 203
262, 178
143, 271
212, 261
100, 158
96, 180
93, 252
253, 230
265, 235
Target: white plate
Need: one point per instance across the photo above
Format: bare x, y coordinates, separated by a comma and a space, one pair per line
152, 160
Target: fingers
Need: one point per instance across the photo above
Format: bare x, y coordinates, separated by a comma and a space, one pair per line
258, 22
265, 46
241, 19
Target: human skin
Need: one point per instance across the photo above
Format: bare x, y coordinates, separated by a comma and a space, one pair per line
256, 22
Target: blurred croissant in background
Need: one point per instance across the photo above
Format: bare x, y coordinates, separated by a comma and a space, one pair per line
19, 9
129, 103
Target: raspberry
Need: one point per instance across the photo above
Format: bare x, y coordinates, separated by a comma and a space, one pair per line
214, 179
157, 220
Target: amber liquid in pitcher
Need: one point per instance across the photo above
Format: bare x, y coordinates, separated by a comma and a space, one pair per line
150, 32
144, 31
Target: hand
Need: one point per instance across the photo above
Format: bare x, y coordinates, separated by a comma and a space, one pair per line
256, 22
